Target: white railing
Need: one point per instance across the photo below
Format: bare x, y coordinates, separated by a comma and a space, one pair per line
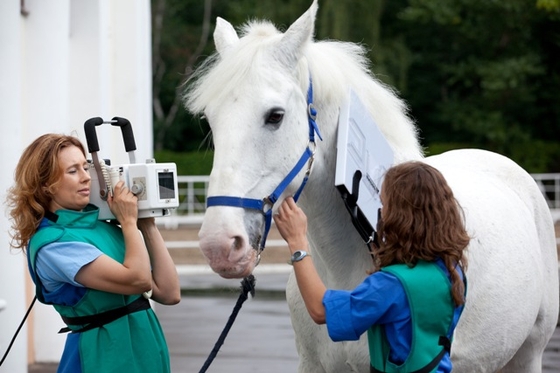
193, 191
550, 187
192, 196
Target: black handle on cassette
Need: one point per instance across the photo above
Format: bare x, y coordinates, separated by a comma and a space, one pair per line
359, 221
93, 144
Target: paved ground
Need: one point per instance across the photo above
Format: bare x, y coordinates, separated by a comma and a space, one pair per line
261, 339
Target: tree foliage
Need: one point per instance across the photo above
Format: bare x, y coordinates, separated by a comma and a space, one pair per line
483, 75
475, 73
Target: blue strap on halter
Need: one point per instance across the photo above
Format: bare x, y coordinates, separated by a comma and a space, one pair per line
312, 114
265, 205
249, 203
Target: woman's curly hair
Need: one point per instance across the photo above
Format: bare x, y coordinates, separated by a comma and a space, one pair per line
421, 220
36, 177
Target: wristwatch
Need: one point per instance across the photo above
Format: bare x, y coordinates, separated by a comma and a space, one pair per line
299, 255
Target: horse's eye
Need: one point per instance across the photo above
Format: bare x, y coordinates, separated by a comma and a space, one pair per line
274, 116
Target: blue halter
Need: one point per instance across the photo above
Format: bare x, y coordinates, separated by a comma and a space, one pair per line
265, 205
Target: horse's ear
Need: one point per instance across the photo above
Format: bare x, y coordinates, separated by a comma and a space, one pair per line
225, 35
296, 37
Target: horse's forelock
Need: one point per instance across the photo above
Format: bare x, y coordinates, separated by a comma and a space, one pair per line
217, 77
259, 29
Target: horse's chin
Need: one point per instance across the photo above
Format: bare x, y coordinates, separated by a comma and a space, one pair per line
239, 269
236, 273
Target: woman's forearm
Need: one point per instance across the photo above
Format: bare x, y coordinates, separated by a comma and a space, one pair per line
311, 288
292, 225
165, 288
136, 259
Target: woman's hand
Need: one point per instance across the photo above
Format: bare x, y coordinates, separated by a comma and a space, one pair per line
292, 224
123, 204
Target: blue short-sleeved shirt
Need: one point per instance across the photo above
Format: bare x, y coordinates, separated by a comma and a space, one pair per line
59, 262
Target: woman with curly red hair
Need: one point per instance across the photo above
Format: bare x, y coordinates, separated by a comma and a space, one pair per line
98, 275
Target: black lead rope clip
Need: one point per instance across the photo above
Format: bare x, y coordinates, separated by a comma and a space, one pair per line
247, 286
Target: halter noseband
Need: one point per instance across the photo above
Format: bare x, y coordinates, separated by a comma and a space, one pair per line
265, 205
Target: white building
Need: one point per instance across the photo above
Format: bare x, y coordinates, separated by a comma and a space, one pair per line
61, 63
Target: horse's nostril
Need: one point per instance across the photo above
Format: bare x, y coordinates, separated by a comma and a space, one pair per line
237, 243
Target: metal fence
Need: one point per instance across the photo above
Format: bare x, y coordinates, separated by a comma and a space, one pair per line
193, 191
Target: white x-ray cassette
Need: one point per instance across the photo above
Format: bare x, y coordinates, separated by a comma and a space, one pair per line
363, 156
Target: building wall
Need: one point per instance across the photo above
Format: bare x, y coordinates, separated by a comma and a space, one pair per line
61, 64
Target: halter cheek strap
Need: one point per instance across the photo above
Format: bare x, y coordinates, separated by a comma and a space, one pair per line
265, 205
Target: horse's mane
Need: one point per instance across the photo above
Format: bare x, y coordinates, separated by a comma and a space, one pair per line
335, 68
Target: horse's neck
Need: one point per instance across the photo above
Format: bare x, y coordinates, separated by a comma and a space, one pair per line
342, 257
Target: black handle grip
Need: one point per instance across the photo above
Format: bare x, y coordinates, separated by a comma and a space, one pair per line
126, 129
91, 135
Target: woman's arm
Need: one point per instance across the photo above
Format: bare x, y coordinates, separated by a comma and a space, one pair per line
165, 281
292, 225
134, 275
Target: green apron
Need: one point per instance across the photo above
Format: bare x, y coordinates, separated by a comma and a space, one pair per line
428, 291
132, 343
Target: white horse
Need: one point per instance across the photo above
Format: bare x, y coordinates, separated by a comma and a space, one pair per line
253, 94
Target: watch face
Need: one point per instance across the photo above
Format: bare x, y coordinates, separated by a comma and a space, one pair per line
297, 254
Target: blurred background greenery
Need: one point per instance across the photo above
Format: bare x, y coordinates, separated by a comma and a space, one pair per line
475, 73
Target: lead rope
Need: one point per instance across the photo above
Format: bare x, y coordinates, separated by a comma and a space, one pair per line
247, 286
17, 331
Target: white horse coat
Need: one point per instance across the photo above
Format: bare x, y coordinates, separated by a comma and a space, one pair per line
512, 301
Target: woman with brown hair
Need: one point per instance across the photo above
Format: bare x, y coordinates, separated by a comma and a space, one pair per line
411, 303
98, 275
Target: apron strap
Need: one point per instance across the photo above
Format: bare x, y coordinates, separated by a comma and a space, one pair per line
100, 319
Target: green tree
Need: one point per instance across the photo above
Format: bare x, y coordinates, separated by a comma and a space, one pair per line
484, 74
180, 39
476, 73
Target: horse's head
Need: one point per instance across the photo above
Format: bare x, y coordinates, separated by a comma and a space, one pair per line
253, 95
